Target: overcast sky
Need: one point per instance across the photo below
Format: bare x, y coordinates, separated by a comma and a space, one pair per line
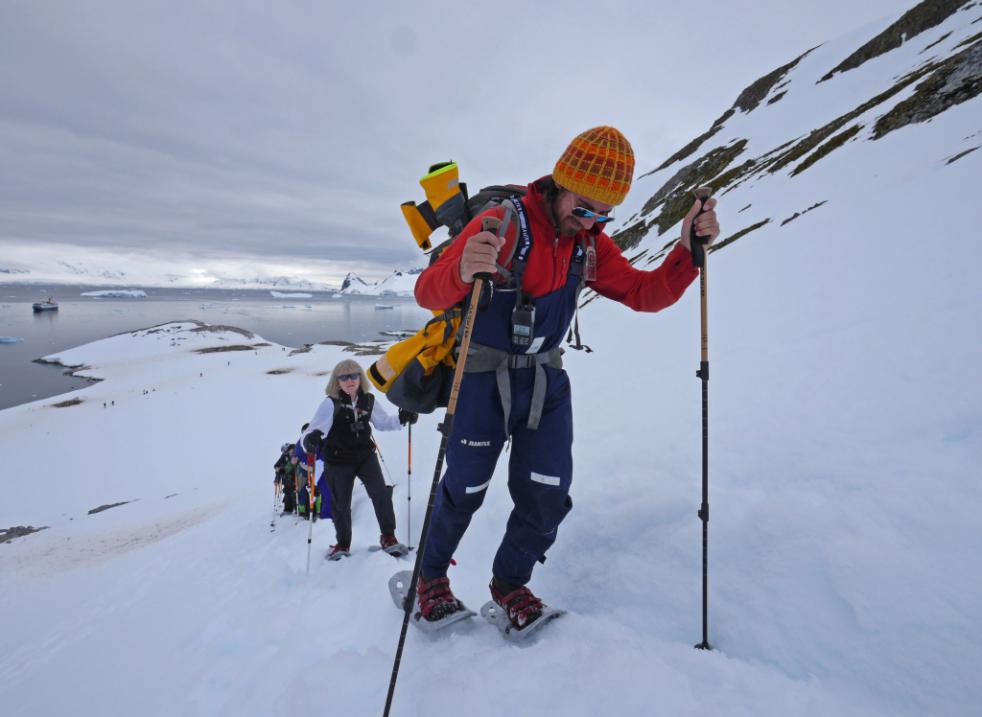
252, 138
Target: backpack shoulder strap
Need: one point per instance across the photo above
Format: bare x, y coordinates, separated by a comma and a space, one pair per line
523, 245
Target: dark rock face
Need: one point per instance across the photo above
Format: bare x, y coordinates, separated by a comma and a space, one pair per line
754, 94
352, 279
675, 196
943, 83
18, 531
954, 81
747, 101
960, 155
742, 233
107, 506
833, 144
694, 144
919, 18
798, 214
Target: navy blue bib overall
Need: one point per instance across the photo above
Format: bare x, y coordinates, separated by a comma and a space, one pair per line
541, 464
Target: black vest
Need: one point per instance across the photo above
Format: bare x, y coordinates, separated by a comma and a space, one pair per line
350, 439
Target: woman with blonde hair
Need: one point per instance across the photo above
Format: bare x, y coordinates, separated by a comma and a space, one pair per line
341, 434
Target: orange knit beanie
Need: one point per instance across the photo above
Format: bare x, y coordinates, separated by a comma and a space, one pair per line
598, 165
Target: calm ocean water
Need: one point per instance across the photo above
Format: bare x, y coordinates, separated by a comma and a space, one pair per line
80, 319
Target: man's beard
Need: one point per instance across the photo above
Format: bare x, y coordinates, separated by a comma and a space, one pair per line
569, 227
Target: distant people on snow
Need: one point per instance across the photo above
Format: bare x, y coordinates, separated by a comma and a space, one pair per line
285, 469
322, 496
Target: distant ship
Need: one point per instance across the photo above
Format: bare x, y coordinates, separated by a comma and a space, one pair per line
382, 307
49, 305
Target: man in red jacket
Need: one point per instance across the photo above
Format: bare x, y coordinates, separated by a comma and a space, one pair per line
552, 245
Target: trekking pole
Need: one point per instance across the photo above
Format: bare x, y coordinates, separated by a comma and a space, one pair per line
445, 428
311, 486
384, 466
276, 499
409, 491
699, 260
296, 494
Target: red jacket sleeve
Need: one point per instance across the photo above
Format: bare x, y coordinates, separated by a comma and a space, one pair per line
440, 286
642, 290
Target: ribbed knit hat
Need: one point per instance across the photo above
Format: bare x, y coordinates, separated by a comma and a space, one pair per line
598, 165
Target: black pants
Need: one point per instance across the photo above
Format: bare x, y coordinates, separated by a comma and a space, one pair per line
289, 496
341, 481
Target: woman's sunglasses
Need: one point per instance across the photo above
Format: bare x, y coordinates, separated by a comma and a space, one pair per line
349, 377
584, 213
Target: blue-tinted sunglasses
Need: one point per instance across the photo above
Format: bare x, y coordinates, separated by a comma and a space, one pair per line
584, 213
349, 377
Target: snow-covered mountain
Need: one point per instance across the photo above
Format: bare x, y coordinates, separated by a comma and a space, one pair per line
284, 283
353, 284
398, 283
845, 434
837, 104
82, 272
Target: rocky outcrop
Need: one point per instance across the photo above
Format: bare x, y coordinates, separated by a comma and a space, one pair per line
833, 144
939, 84
953, 81
754, 94
804, 211
675, 198
958, 156
746, 101
353, 282
919, 18
18, 531
695, 144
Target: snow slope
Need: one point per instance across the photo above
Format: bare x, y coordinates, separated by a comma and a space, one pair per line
845, 438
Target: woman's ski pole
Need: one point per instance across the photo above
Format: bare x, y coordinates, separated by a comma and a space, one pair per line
445, 428
384, 466
311, 487
699, 260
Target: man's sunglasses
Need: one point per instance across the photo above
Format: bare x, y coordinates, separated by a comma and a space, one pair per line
584, 213
349, 377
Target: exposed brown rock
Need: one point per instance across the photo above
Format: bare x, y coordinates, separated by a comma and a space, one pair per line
956, 80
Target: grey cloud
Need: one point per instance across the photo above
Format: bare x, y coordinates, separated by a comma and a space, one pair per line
296, 130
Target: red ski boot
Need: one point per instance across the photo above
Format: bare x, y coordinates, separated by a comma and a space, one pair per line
515, 611
521, 606
436, 601
437, 607
337, 552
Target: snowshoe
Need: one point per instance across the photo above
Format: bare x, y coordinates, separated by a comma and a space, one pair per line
337, 552
399, 550
441, 607
393, 547
516, 612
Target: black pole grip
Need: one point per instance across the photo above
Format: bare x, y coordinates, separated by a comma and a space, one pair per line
696, 242
487, 289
